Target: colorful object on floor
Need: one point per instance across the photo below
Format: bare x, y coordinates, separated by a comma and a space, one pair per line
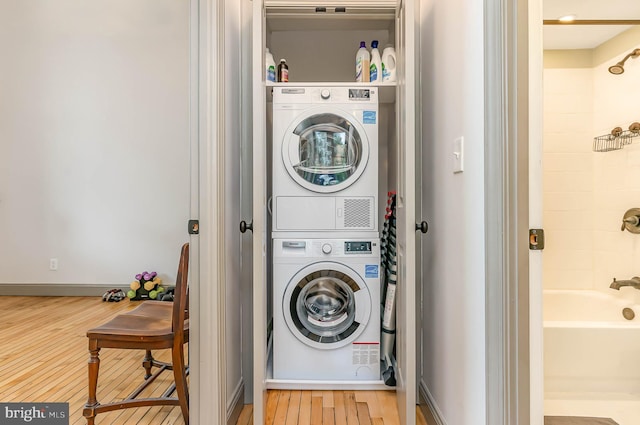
113, 295
146, 286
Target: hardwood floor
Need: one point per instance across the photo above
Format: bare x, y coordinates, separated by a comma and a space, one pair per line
329, 408
43, 358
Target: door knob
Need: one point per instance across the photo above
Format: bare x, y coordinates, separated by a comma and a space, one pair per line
244, 226
423, 227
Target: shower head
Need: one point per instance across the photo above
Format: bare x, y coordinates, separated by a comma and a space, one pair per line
618, 68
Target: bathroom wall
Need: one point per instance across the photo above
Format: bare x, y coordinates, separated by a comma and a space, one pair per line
586, 193
617, 173
568, 177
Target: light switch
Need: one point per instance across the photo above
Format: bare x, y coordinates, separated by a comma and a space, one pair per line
458, 155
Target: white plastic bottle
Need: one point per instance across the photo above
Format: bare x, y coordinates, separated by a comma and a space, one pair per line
270, 65
362, 64
388, 65
375, 68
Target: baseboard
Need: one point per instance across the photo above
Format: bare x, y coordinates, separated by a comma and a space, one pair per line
236, 404
428, 406
55, 290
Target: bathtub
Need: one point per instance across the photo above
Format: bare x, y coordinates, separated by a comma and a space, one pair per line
589, 347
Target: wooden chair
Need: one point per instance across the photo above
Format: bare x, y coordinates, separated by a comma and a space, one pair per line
148, 327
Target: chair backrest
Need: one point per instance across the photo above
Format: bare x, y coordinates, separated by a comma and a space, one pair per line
181, 296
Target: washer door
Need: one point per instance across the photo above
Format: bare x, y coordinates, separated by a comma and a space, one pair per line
326, 305
325, 150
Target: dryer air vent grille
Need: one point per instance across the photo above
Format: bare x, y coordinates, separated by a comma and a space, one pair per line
357, 213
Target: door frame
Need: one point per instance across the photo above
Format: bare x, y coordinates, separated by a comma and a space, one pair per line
207, 355
506, 165
507, 211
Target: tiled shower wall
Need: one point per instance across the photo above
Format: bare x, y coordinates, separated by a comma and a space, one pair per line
568, 179
586, 193
616, 175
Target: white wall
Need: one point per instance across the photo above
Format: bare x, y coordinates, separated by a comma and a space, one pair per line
586, 193
568, 178
453, 318
94, 140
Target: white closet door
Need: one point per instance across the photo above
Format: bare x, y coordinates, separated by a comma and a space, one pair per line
406, 28
260, 236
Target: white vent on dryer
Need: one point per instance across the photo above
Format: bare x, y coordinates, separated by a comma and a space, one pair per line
357, 213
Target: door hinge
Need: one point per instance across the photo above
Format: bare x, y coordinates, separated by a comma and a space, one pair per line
193, 227
536, 239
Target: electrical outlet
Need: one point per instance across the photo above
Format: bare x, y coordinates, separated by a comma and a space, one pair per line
53, 264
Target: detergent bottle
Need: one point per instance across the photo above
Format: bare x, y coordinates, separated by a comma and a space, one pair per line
270, 65
375, 67
388, 65
362, 64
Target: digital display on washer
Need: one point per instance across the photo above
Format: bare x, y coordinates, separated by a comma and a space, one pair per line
359, 94
357, 247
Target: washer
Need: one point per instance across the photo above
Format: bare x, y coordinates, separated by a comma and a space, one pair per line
326, 324
325, 161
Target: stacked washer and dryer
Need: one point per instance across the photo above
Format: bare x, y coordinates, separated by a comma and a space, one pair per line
326, 247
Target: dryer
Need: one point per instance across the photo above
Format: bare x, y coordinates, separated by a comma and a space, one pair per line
326, 323
325, 161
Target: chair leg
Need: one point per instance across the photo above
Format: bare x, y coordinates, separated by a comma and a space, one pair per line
94, 366
180, 378
147, 363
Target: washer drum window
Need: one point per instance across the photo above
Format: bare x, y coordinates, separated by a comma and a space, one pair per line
326, 308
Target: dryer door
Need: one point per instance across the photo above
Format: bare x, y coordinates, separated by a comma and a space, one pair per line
327, 305
325, 150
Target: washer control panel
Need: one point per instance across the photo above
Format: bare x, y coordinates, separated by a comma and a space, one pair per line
326, 247
357, 247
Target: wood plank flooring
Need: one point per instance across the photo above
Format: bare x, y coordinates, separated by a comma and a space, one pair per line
43, 358
329, 408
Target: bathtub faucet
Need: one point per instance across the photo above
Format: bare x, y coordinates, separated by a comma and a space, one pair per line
617, 284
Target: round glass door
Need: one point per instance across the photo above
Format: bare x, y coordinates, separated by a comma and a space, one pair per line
326, 152
325, 307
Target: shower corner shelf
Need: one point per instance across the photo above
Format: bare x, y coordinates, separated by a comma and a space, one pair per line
616, 139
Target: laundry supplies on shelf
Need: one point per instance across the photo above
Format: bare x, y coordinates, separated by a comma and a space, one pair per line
362, 63
375, 66
388, 65
270, 66
283, 71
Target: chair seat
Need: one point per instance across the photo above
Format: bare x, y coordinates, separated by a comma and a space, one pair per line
158, 309
133, 325
137, 325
